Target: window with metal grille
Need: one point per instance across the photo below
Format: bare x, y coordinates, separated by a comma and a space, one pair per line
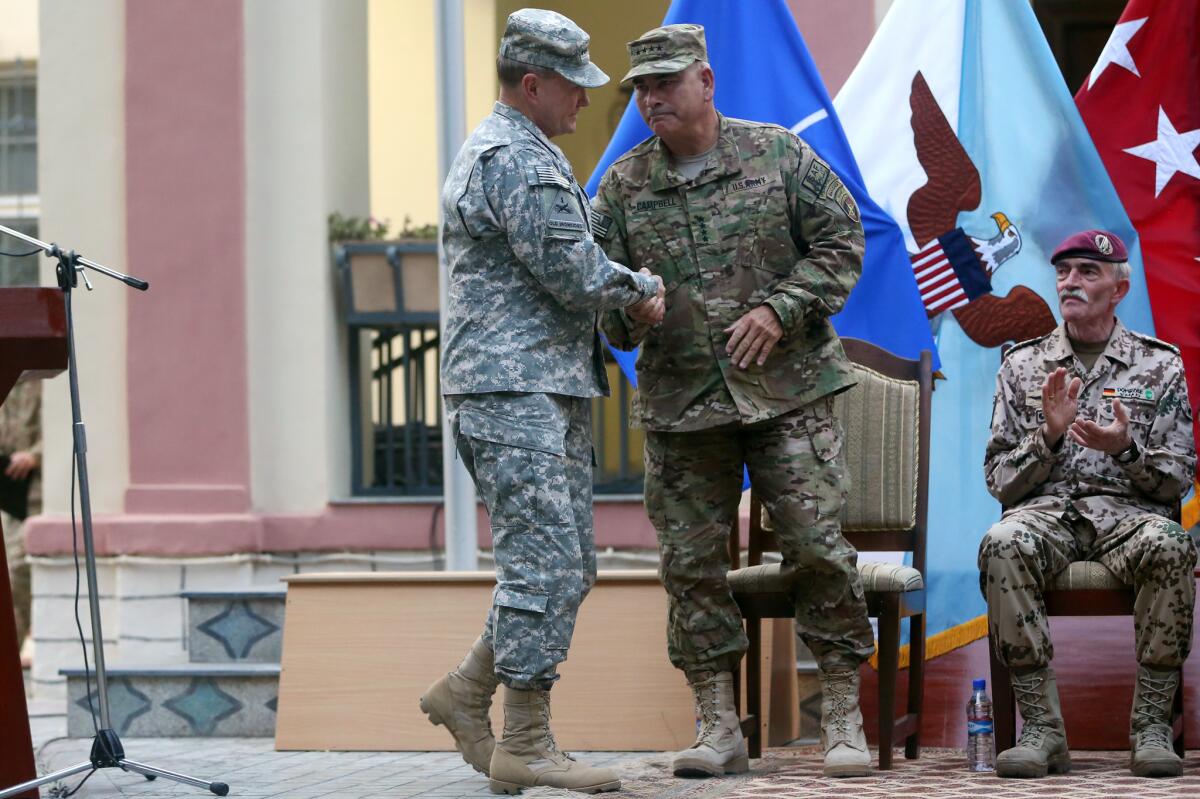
390, 302
18, 170
18, 129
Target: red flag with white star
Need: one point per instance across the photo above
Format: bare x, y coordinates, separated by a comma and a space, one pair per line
1141, 103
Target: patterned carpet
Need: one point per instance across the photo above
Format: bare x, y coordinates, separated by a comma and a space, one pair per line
938, 774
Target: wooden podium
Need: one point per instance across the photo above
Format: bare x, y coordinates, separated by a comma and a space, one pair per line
33, 342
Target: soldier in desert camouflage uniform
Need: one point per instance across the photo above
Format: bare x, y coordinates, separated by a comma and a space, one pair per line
520, 366
21, 443
758, 244
1091, 450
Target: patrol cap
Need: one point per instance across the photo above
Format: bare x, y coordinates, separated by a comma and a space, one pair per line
549, 40
1098, 245
665, 50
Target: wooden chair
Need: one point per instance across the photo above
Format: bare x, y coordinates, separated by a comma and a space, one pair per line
886, 421
1085, 588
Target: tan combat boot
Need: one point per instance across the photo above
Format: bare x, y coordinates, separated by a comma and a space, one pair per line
461, 701
527, 756
1042, 747
1150, 744
720, 747
842, 737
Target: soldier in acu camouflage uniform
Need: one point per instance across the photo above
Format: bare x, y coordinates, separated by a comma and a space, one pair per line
758, 244
520, 366
1091, 450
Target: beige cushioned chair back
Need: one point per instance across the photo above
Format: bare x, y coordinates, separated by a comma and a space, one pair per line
880, 418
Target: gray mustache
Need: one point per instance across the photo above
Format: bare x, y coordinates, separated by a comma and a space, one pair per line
1078, 294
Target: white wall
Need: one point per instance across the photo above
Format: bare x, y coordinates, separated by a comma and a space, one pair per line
81, 166
306, 156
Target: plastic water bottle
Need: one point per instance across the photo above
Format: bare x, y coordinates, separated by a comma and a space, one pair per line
981, 740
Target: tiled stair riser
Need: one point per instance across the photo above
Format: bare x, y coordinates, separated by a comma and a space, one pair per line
145, 703
235, 627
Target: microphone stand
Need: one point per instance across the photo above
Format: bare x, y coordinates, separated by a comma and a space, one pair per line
107, 750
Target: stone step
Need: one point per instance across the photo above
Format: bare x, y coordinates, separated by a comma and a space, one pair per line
189, 700
241, 626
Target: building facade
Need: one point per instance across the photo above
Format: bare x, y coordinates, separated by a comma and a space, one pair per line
202, 147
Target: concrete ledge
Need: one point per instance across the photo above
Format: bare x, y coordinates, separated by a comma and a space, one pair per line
183, 670
357, 527
237, 593
464, 578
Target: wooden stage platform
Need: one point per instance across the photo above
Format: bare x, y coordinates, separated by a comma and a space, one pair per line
359, 649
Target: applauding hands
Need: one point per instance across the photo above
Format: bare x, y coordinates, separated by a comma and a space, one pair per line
1060, 404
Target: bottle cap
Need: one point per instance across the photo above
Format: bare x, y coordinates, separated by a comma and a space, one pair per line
978, 685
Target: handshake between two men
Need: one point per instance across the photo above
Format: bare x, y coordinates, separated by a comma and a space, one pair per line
751, 338
651, 310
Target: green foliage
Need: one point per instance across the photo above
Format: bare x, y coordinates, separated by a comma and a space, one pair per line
408, 231
357, 228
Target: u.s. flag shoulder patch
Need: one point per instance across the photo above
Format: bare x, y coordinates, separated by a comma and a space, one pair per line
548, 176
601, 224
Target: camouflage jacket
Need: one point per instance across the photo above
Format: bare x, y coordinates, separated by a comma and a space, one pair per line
1147, 375
21, 430
765, 221
526, 277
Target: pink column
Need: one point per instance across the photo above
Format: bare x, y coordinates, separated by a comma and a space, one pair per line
185, 184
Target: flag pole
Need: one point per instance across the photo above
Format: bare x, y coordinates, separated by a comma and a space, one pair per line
458, 491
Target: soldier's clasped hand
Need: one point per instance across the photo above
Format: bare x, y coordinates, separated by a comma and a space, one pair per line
1109, 439
753, 336
1060, 403
652, 309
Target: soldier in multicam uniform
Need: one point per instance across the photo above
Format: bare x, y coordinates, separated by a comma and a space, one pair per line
1091, 450
758, 243
520, 365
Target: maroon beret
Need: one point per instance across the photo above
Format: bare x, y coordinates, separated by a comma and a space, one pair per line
1098, 245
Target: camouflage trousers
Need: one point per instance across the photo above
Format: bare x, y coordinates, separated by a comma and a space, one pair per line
1027, 548
18, 573
530, 456
693, 489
